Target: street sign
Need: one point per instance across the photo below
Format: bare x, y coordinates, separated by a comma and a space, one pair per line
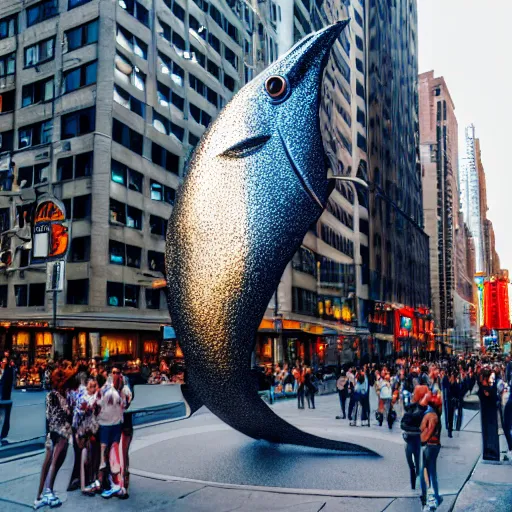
55, 276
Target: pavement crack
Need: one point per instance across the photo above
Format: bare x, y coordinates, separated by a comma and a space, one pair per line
322, 507
12, 502
389, 504
191, 492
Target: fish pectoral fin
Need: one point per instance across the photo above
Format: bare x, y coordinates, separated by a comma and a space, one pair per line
246, 148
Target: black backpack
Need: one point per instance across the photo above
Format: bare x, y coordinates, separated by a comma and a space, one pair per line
412, 418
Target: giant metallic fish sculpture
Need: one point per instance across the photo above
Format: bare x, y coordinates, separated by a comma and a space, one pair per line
255, 184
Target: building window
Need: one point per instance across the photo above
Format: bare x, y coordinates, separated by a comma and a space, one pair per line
82, 35
213, 69
214, 42
33, 174
127, 177
76, 3
304, 261
78, 123
6, 141
126, 215
40, 52
361, 118
21, 295
304, 302
73, 167
164, 125
127, 137
128, 73
30, 295
359, 43
229, 82
7, 101
121, 254
193, 140
42, 11
136, 10
79, 77
9, 26
359, 89
178, 11
167, 97
359, 65
361, 142
163, 193
78, 207
7, 64
80, 249
24, 258
131, 43
169, 67
158, 226
343, 216
200, 116
337, 241
3, 296
152, 298
78, 292
164, 158
128, 101
122, 295
37, 92
35, 134
231, 57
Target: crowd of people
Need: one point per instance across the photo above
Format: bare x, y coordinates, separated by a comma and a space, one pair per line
87, 407
419, 393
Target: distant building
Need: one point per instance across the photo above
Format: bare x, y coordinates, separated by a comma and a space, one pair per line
471, 190
439, 162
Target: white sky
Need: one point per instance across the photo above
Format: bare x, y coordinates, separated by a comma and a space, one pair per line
469, 42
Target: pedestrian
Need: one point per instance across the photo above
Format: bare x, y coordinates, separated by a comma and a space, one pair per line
487, 394
58, 421
386, 395
126, 441
410, 424
6, 383
507, 427
301, 388
114, 398
311, 388
342, 384
431, 439
352, 382
85, 423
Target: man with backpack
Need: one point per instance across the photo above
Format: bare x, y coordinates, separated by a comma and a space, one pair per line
410, 424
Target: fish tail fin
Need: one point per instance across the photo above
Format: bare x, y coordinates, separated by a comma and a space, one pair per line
192, 402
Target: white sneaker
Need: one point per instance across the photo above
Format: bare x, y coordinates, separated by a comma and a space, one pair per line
358, 423
43, 501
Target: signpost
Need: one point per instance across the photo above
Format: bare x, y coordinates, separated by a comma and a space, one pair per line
55, 283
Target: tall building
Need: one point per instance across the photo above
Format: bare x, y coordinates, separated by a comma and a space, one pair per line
399, 247
439, 163
322, 297
101, 105
470, 194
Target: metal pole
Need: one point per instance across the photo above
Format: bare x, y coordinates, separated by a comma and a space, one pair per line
54, 322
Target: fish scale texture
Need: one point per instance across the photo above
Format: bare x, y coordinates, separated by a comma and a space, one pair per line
255, 185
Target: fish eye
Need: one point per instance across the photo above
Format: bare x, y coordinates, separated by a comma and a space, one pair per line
276, 87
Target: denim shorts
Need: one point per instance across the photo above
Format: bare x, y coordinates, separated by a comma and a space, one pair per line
110, 434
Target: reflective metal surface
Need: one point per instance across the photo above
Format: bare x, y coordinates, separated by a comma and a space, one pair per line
256, 183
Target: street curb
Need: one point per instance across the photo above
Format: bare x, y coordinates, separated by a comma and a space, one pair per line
14, 450
281, 490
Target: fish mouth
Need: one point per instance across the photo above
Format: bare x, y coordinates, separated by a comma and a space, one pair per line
247, 147
303, 180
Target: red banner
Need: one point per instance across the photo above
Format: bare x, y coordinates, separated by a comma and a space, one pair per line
496, 314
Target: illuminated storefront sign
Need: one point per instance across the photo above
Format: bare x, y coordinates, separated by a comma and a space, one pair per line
497, 313
50, 233
479, 280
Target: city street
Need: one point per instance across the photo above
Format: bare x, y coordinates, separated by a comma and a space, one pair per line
201, 464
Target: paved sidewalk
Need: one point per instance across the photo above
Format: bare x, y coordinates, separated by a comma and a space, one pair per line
196, 466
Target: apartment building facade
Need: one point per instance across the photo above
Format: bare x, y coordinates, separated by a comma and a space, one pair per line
101, 106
